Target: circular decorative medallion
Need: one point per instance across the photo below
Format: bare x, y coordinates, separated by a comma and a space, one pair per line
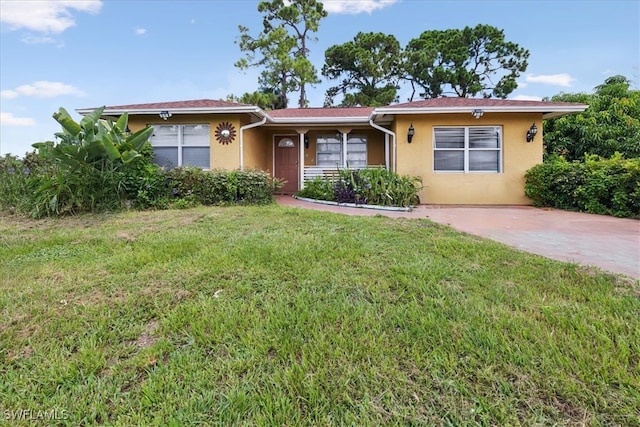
225, 133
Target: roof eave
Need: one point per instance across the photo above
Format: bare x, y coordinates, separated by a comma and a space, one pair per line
556, 111
319, 120
191, 110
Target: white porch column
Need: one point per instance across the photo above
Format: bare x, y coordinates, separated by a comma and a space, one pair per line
301, 135
386, 151
345, 137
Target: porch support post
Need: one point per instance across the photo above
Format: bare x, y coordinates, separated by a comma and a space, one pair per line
345, 137
301, 134
386, 151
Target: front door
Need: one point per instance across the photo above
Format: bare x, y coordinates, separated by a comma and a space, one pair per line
287, 156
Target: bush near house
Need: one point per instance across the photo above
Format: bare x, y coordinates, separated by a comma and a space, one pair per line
221, 187
36, 187
372, 186
97, 165
597, 185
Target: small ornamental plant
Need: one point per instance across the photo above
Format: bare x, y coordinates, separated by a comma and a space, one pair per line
371, 186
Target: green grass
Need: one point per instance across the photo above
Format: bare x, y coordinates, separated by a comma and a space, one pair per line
277, 316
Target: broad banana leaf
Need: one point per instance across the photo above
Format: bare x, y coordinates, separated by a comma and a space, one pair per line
68, 124
138, 139
89, 121
129, 155
109, 147
122, 122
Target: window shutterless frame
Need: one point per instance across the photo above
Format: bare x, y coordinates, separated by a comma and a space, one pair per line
467, 149
181, 145
329, 151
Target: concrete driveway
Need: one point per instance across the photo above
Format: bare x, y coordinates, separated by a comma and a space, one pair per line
613, 244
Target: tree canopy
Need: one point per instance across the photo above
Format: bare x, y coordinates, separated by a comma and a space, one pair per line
610, 124
281, 47
466, 63
263, 98
369, 66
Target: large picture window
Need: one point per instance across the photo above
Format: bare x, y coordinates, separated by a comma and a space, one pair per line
329, 151
467, 149
181, 145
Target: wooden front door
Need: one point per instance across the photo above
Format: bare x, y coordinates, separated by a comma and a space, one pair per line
287, 157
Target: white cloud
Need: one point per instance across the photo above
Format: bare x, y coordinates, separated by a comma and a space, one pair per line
46, 16
29, 39
41, 89
139, 31
527, 98
563, 79
353, 7
8, 119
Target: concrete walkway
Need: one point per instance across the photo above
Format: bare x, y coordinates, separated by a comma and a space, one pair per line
613, 244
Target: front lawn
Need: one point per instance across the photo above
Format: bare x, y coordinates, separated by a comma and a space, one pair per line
278, 316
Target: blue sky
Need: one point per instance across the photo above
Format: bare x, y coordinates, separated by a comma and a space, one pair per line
88, 53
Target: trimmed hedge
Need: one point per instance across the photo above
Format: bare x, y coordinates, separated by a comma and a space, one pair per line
597, 185
221, 187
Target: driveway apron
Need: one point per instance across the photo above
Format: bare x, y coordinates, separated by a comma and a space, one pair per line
612, 244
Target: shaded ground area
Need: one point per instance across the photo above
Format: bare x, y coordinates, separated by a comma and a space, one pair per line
612, 244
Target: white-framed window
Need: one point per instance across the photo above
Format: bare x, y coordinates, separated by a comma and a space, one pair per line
329, 151
467, 149
357, 151
181, 145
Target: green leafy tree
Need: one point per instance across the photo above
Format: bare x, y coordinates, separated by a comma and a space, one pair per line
281, 48
466, 63
264, 98
611, 123
369, 66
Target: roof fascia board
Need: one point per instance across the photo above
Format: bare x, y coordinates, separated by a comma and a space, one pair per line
557, 110
318, 120
201, 110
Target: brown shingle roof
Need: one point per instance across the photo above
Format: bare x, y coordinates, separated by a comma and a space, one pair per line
197, 103
474, 102
289, 113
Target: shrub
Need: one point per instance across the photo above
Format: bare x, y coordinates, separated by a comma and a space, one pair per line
255, 187
221, 187
318, 188
145, 183
598, 185
386, 188
374, 186
14, 176
97, 165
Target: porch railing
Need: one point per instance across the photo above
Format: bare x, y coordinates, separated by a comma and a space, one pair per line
311, 172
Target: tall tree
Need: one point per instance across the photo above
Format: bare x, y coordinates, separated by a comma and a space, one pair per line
465, 62
281, 48
369, 66
610, 124
263, 98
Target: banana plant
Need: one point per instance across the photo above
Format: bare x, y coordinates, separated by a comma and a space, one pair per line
94, 140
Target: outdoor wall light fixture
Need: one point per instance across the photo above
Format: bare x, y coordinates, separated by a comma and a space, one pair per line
531, 133
164, 115
306, 142
477, 113
410, 133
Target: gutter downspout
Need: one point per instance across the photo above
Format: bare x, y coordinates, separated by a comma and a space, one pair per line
388, 132
242, 129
